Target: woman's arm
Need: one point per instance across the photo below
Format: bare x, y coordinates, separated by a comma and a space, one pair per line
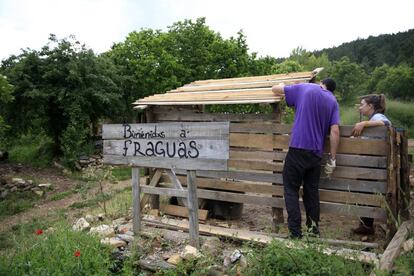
359, 127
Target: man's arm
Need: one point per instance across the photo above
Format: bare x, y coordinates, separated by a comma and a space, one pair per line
279, 89
334, 140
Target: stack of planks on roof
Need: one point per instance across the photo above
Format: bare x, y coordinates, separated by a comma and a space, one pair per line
227, 91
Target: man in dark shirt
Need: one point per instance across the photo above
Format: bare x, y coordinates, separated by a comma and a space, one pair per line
316, 115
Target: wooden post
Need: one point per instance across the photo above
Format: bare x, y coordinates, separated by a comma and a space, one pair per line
391, 186
277, 213
404, 199
193, 208
136, 198
154, 199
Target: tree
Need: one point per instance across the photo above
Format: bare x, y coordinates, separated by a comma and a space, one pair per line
397, 82
6, 90
350, 79
64, 89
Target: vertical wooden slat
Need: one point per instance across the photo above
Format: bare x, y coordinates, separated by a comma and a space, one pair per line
277, 213
136, 210
193, 208
404, 199
392, 185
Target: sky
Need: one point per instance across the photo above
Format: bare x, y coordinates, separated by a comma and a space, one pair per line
272, 28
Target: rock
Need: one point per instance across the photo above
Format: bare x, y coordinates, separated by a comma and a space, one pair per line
124, 228
39, 193
175, 259
114, 242
91, 218
119, 221
45, 185
154, 212
4, 194
364, 238
126, 237
101, 216
408, 245
16, 180
235, 255
211, 245
154, 264
190, 252
81, 225
13, 189
103, 230
243, 262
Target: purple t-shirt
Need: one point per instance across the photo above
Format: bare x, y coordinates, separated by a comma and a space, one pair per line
316, 110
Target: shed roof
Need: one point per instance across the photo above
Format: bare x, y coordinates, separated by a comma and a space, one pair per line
243, 90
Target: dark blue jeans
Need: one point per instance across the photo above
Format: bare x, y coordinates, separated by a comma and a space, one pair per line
301, 166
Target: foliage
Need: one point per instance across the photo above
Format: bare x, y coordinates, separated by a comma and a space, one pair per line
32, 149
6, 90
350, 79
275, 259
398, 82
391, 49
57, 252
17, 202
63, 89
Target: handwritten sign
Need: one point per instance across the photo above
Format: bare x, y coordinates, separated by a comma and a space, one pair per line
190, 146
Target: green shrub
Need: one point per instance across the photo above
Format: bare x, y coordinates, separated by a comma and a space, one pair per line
33, 149
276, 259
401, 114
58, 252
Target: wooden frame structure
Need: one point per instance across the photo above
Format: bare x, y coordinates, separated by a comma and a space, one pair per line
371, 178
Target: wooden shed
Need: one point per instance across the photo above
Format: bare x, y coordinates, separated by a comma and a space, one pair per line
371, 178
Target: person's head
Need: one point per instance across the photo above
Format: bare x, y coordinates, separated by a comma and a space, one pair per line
328, 84
371, 104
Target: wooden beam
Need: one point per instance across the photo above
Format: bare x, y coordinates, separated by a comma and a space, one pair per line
180, 211
394, 247
136, 196
193, 208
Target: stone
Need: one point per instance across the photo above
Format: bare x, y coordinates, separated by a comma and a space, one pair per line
13, 189
91, 218
364, 238
4, 194
211, 245
119, 221
175, 259
101, 216
39, 193
81, 225
235, 255
114, 242
16, 180
190, 252
45, 185
103, 230
126, 237
408, 245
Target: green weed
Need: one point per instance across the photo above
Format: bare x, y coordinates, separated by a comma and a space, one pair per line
17, 202
57, 252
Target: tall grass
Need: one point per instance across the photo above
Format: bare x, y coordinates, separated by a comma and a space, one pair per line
57, 252
35, 150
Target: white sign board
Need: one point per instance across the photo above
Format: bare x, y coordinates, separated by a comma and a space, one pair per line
190, 146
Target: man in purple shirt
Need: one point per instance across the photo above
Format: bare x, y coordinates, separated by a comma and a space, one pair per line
316, 115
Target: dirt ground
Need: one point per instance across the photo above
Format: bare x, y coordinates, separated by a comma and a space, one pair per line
254, 217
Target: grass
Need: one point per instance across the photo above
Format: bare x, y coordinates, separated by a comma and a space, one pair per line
122, 173
60, 251
35, 150
17, 202
61, 195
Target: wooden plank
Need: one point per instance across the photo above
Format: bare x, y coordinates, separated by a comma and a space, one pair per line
207, 102
362, 256
280, 77
277, 190
159, 162
394, 247
349, 160
136, 196
235, 85
326, 207
180, 211
347, 145
168, 148
331, 184
176, 182
379, 132
192, 202
154, 181
165, 130
165, 115
255, 165
392, 185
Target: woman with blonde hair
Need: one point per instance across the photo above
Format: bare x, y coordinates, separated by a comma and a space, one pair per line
372, 107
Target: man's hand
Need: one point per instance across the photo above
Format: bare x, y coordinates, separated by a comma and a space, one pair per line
330, 167
279, 89
358, 128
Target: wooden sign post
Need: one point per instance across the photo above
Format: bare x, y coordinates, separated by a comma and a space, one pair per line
168, 146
